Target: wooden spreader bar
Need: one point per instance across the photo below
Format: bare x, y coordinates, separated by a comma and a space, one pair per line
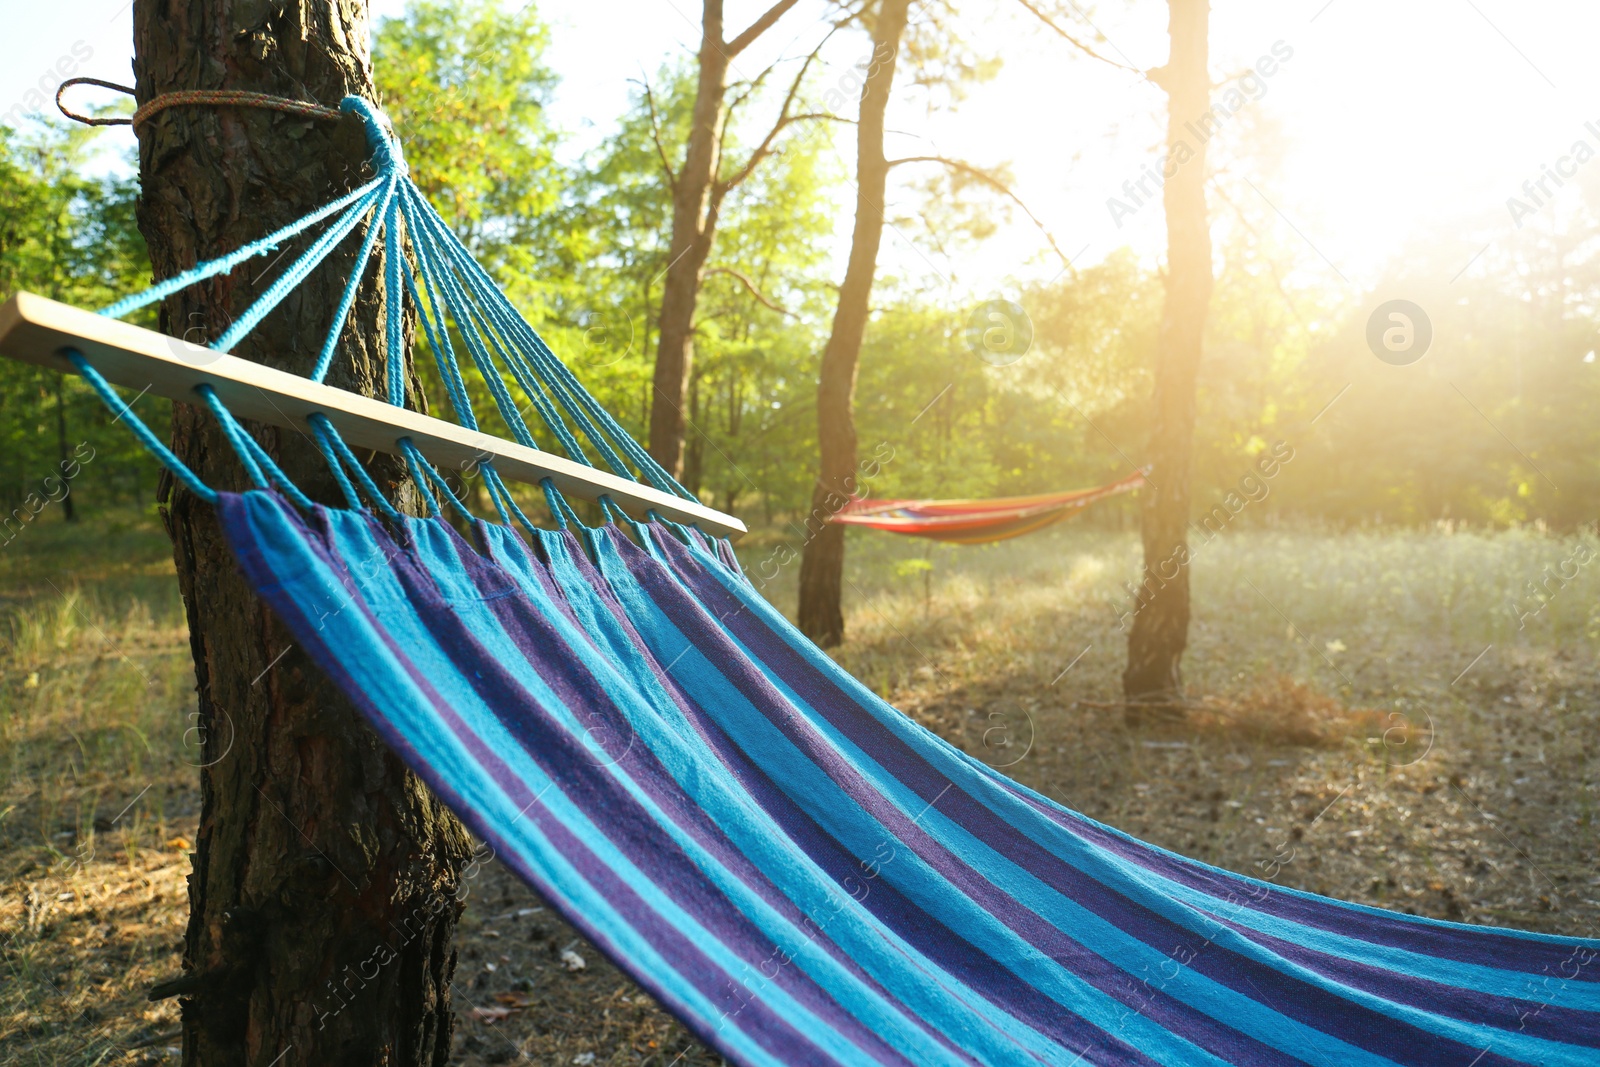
36, 330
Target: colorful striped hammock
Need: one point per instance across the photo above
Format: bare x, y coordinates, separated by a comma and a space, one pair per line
976, 522
800, 873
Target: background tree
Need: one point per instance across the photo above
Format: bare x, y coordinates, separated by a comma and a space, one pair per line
321, 906
698, 187
1160, 630
822, 561
749, 392
73, 238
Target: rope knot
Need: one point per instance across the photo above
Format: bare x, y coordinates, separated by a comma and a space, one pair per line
386, 156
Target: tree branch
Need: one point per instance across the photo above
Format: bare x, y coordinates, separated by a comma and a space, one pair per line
1074, 42
751, 286
759, 26
1272, 268
999, 186
764, 149
655, 134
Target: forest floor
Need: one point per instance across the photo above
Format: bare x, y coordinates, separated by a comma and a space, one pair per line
1380, 716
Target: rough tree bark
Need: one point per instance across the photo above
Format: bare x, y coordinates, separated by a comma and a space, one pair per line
1152, 682
694, 228
322, 898
821, 615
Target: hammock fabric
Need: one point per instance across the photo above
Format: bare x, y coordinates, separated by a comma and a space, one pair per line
800, 873
976, 522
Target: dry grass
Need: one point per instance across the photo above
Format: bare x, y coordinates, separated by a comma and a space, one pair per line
1368, 720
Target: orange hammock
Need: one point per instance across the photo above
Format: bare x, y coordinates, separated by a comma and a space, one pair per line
976, 522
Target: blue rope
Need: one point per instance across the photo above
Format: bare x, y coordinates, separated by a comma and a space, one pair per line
497, 485
393, 306
417, 460
560, 510
263, 470
178, 467
348, 299
414, 464
439, 343
491, 306
553, 368
475, 346
297, 272
429, 238
213, 267
234, 433
333, 443
491, 483
332, 456
454, 288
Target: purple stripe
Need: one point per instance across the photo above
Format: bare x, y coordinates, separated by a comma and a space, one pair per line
1293, 997
1484, 947
1546, 1021
583, 694
626, 823
765, 1027
696, 821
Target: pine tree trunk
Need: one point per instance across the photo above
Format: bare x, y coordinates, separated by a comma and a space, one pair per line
1160, 630
821, 614
322, 894
694, 225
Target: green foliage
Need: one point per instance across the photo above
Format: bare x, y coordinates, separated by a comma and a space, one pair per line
1483, 430
74, 239
466, 87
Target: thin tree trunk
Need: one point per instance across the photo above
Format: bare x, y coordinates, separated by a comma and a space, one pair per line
321, 898
1160, 630
694, 226
695, 204
821, 615
69, 511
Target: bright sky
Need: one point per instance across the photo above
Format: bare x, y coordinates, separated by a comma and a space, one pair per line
1396, 118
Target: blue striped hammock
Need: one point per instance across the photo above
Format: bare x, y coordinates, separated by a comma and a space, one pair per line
797, 871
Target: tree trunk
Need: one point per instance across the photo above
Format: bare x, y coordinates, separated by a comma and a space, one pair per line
322, 895
1160, 629
694, 226
696, 200
69, 511
821, 614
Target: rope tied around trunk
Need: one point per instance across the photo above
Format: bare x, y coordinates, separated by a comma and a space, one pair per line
192, 97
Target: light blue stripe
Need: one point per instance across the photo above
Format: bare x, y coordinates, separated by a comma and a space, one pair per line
374, 667
1127, 879
817, 793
